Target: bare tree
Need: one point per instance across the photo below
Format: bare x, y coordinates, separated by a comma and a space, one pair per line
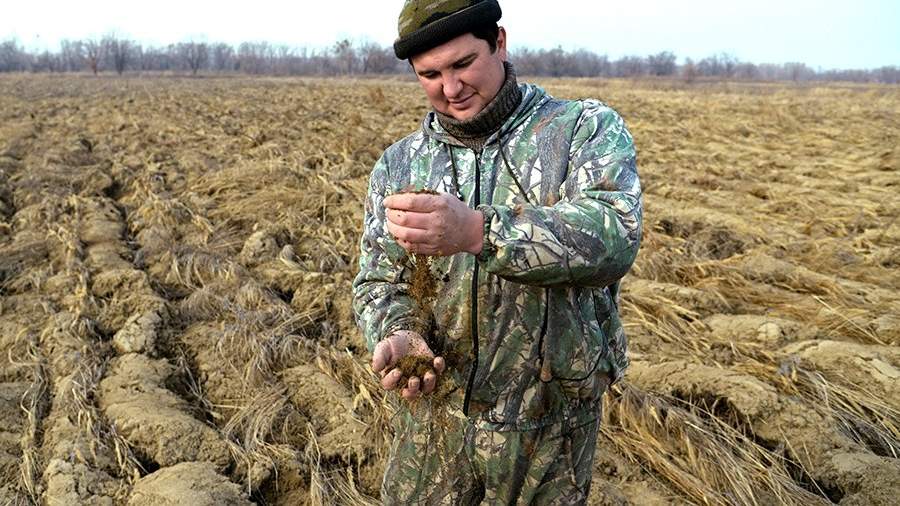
747, 71
556, 62
47, 62
662, 64
345, 56
94, 53
119, 51
729, 64
223, 57
720, 65
710, 66
889, 75
376, 59
584, 63
255, 57
768, 71
194, 54
285, 60
630, 66
689, 71
13, 58
798, 71
154, 59
137, 57
70, 53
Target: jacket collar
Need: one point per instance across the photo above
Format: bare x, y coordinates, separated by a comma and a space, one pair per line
533, 97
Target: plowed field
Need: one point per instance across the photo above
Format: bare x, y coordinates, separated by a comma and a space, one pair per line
175, 268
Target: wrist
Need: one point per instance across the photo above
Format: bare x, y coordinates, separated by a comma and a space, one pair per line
475, 233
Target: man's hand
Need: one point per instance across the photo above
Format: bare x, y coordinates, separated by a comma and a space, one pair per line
396, 346
437, 225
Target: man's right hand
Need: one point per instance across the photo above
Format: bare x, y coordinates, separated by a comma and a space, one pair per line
396, 346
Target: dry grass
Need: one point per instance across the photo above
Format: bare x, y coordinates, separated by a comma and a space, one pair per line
710, 461
331, 486
35, 403
864, 416
263, 433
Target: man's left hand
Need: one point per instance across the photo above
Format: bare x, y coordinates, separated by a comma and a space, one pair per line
437, 225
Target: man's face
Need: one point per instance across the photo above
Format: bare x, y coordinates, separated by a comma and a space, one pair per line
462, 76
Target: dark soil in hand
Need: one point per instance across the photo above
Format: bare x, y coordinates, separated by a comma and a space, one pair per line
414, 365
424, 285
418, 366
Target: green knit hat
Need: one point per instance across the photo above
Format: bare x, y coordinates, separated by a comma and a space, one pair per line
425, 24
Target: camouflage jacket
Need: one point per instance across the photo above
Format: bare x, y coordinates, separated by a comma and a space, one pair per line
562, 204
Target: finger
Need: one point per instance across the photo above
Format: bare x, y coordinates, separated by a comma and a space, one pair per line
420, 249
411, 202
409, 219
429, 382
389, 382
440, 365
381, 357
408, 246
412, 388
414, 235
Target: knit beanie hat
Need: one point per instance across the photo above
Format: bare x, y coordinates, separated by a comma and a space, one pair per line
425, 24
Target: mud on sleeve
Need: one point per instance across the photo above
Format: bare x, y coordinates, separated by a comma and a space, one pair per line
381, 298
590, 238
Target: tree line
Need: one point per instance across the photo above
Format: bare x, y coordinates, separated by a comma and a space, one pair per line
345, 57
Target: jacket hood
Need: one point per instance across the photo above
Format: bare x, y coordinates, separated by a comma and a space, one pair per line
533, 97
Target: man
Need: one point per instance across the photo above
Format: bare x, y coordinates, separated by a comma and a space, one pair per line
532, 215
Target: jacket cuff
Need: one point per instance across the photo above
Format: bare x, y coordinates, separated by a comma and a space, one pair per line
411, 324
487, 247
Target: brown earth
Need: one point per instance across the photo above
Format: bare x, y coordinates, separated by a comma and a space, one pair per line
176, 258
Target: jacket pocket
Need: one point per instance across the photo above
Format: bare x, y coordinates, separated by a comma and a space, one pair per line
578, 345
616, 343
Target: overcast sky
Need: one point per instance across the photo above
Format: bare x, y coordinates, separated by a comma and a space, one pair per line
821, 33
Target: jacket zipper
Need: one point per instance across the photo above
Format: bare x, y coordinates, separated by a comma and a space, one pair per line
474, 298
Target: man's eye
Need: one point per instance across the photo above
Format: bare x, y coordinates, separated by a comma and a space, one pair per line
463, 64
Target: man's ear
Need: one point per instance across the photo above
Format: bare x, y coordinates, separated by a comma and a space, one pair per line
501, 43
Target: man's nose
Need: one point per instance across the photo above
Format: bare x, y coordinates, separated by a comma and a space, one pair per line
452, 86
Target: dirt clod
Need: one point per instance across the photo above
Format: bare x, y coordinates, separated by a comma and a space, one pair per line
194, 483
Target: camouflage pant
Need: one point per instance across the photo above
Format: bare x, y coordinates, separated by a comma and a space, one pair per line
447, 460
